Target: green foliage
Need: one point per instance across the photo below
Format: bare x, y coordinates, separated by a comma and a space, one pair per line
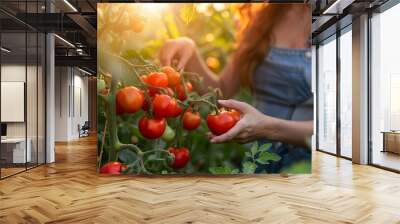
256, 155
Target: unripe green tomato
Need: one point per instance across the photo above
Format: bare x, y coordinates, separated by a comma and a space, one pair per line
101, 84
168, 134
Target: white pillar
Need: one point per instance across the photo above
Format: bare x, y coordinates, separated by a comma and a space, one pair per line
360, 90
50, 92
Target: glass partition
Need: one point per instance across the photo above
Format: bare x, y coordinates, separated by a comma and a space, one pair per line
346, 93
385, 89
22, 91
327, 96
15, 152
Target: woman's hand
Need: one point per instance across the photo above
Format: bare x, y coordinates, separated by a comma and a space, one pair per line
252, 125
255, 125
180, 49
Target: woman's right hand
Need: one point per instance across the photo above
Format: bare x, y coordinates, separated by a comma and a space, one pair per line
181, 49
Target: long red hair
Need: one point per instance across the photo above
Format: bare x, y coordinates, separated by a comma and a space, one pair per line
258, 21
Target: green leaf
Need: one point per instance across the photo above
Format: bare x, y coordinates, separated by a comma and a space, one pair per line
127, 156
249, 167
261, 161
265, 156
248, 154
264, 147
254, 149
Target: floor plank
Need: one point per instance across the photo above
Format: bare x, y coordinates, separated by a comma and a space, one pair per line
70, 191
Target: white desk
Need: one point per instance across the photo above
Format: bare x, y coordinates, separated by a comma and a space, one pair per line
18, 149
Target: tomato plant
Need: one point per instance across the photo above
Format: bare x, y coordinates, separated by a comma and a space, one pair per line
150, 117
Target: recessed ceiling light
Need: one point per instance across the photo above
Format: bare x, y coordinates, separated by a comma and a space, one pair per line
70, 5
84, 71
65, 41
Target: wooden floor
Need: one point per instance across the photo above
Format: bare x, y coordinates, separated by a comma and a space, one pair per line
70, 191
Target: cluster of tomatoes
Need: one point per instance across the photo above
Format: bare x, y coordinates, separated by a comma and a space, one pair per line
162, 98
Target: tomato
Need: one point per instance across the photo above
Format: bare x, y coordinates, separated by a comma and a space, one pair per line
168, 134
129, 100
156, 79
180, 91
181, 157
112, 168
236, 114
174, 78
174, 109
221, 123
152, 128
160, 105
191, 120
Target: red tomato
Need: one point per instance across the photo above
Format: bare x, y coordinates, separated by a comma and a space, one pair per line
112, 168
180, 91
152, 128
156, 79
235, 114
174, 109
129, 100
221, 123
174, 78
181, 157
191, 120
161, 105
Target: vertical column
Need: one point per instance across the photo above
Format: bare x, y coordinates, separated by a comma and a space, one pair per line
50, 92
360, 90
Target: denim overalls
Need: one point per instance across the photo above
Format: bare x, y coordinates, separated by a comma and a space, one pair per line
282, 87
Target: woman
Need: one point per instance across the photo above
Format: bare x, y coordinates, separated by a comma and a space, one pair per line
273, 58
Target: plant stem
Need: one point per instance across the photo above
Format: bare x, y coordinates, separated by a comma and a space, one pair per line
103, 140
155, 150
206, 102
132, 147
112, 119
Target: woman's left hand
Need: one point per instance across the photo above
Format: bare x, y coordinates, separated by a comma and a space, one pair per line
252, 125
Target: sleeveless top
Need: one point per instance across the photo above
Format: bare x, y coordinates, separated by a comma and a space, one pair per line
282, 88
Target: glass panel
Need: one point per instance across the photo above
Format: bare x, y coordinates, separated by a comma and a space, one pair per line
385, 84
13, 84
41, 99
31, 97
32, 88
346, 94
327, 97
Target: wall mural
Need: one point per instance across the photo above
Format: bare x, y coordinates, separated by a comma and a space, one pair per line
166, 72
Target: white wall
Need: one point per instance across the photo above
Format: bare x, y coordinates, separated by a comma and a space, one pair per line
71, 94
